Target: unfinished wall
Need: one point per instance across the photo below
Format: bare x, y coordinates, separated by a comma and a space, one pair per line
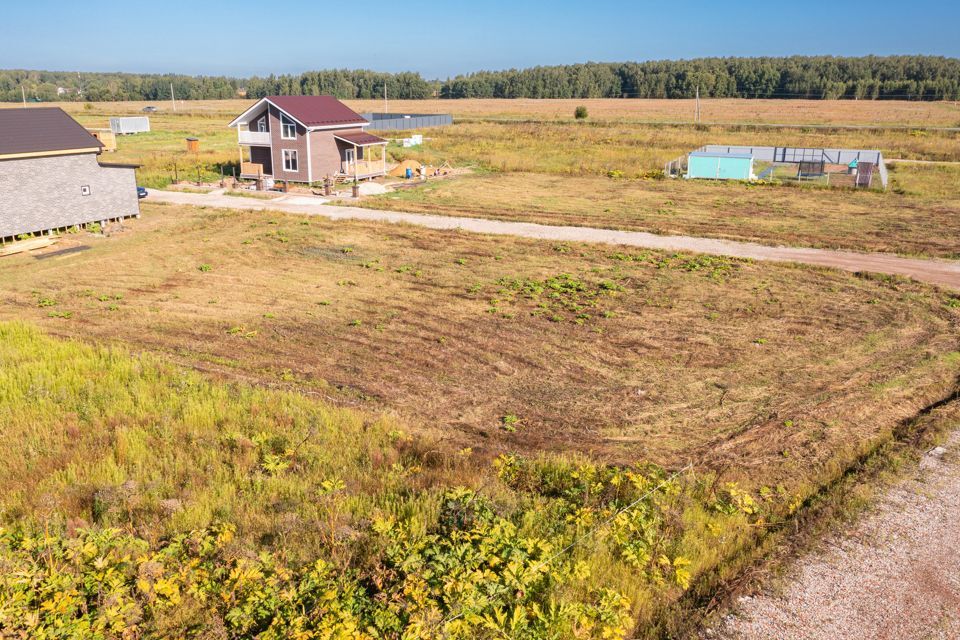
37, 194
328, 152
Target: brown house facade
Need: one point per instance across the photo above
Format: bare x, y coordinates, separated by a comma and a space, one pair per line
306, 139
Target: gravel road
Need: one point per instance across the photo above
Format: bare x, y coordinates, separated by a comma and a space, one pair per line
941, 272
894, 576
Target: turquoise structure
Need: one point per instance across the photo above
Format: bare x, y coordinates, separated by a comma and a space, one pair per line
720, 166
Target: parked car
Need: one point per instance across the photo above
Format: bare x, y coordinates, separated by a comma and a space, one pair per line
141, 193
149, 109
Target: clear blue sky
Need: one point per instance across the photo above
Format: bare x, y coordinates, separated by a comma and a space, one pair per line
445, 38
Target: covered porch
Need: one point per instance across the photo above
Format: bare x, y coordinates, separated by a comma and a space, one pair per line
363, 155
255, 162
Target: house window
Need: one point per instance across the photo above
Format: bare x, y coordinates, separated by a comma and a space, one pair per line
262, 124
288, 128
290, 163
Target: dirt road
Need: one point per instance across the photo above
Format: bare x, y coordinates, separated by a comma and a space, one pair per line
895, 576
941, 272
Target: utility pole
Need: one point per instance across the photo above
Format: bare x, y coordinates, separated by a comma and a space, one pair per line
698, 105
23, 92
172, 99
386, 105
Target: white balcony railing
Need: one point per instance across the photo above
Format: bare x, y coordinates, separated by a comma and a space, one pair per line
254, 137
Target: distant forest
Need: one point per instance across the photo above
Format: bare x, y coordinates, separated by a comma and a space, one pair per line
816, 77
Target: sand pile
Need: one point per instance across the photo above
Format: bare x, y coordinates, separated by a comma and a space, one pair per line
400, 171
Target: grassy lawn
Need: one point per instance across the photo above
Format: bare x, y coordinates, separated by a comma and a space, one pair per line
618, 355
922, 219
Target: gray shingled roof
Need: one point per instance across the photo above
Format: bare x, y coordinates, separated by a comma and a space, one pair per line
39, 130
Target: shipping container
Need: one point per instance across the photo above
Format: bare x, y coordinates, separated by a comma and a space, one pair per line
130, 124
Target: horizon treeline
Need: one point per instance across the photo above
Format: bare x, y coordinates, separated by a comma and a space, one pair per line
809, 77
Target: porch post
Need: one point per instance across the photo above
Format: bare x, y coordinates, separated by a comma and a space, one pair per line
356, 164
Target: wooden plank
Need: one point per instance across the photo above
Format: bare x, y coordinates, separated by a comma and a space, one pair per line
26, 245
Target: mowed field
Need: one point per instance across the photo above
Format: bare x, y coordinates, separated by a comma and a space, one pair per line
621, 355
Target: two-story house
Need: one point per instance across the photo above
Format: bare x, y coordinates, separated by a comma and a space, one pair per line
305, 139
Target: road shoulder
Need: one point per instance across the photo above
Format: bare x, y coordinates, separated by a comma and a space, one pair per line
895, 574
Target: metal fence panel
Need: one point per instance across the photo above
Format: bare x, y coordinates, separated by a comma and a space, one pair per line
406, 121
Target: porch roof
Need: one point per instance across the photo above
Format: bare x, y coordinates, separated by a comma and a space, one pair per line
360, 139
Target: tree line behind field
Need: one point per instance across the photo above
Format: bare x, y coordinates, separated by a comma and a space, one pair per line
818, 77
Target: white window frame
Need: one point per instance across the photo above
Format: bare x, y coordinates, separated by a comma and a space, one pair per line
284, 123
290, 157
262, 124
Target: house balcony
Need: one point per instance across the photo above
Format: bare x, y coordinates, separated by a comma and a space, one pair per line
254, 137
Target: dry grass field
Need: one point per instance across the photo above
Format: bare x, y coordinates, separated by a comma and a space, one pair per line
597, 148
816, 112
923, 219
556, 172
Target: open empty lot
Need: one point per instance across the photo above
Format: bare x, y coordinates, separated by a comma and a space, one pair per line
623, 355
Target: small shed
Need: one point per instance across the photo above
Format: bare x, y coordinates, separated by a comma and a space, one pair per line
106, 137
720, 166
130, 124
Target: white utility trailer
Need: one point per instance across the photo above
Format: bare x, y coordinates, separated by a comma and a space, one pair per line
130, 124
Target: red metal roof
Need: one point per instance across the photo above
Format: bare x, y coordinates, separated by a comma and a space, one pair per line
318, 111
42, 129
359, 138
